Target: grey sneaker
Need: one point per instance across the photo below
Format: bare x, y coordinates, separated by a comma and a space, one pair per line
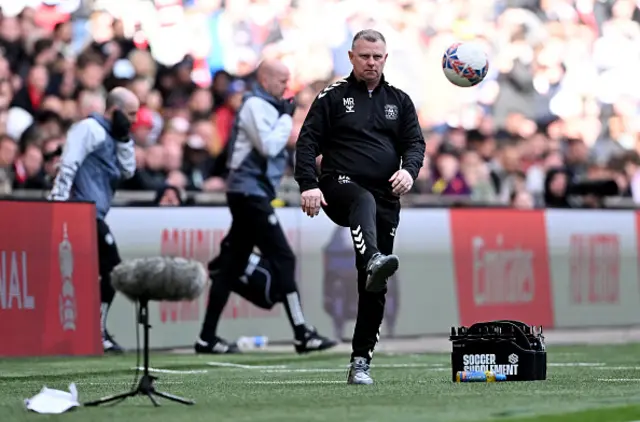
380, 268
359, 372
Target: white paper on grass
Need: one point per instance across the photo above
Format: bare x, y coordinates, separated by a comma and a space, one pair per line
50, 401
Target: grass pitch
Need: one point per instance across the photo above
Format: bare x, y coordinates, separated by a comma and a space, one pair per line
585, 384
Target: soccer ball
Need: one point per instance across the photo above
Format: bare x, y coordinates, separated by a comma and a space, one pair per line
465, 64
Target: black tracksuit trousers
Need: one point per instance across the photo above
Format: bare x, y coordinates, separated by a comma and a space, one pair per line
254, 224
372, 221
108, 259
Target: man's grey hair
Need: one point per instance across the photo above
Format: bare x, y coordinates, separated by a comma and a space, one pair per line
370, 35
89, 97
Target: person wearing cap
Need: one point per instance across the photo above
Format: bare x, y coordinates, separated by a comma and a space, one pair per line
141, 128
226, 113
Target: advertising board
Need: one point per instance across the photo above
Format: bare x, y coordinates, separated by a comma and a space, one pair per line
49, 287
420, 300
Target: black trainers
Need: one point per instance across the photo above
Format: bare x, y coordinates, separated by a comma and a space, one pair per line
313, 342
109, 344
216, 347
379, 269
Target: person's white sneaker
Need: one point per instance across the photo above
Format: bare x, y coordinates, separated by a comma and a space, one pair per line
359, 372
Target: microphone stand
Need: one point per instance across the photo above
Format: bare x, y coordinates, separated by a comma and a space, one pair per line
145, 385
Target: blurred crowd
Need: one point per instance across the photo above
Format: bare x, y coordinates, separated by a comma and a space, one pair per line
559, 106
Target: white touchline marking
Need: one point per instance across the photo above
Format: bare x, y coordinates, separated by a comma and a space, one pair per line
619, 379
296, 382
438, 367
301, 370
407, 365
240, 366
173, 371
287, 369
125, 383
571, 364
321, 370
619, 368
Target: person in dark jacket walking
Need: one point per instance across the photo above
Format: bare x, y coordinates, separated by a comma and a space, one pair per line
257, 158
372, 148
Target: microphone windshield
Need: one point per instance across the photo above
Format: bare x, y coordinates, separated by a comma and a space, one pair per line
160, 278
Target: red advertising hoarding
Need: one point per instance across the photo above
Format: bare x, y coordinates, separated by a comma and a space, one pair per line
501, 266
49, 290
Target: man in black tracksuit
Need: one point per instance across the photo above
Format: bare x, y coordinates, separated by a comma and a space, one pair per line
372, 148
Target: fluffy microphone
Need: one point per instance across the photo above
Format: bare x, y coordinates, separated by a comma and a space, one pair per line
160, 278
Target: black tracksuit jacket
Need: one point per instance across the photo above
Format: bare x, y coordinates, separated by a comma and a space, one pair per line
366, 136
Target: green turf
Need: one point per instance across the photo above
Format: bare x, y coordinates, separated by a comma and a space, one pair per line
312, 388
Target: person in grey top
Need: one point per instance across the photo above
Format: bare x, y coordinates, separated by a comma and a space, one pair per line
257, 161
97, 155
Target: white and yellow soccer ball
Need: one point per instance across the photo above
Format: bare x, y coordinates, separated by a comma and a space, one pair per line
465, 64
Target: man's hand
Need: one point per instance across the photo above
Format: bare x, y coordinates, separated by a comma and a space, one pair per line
120, 126
289, 106
401, 182
312, 201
